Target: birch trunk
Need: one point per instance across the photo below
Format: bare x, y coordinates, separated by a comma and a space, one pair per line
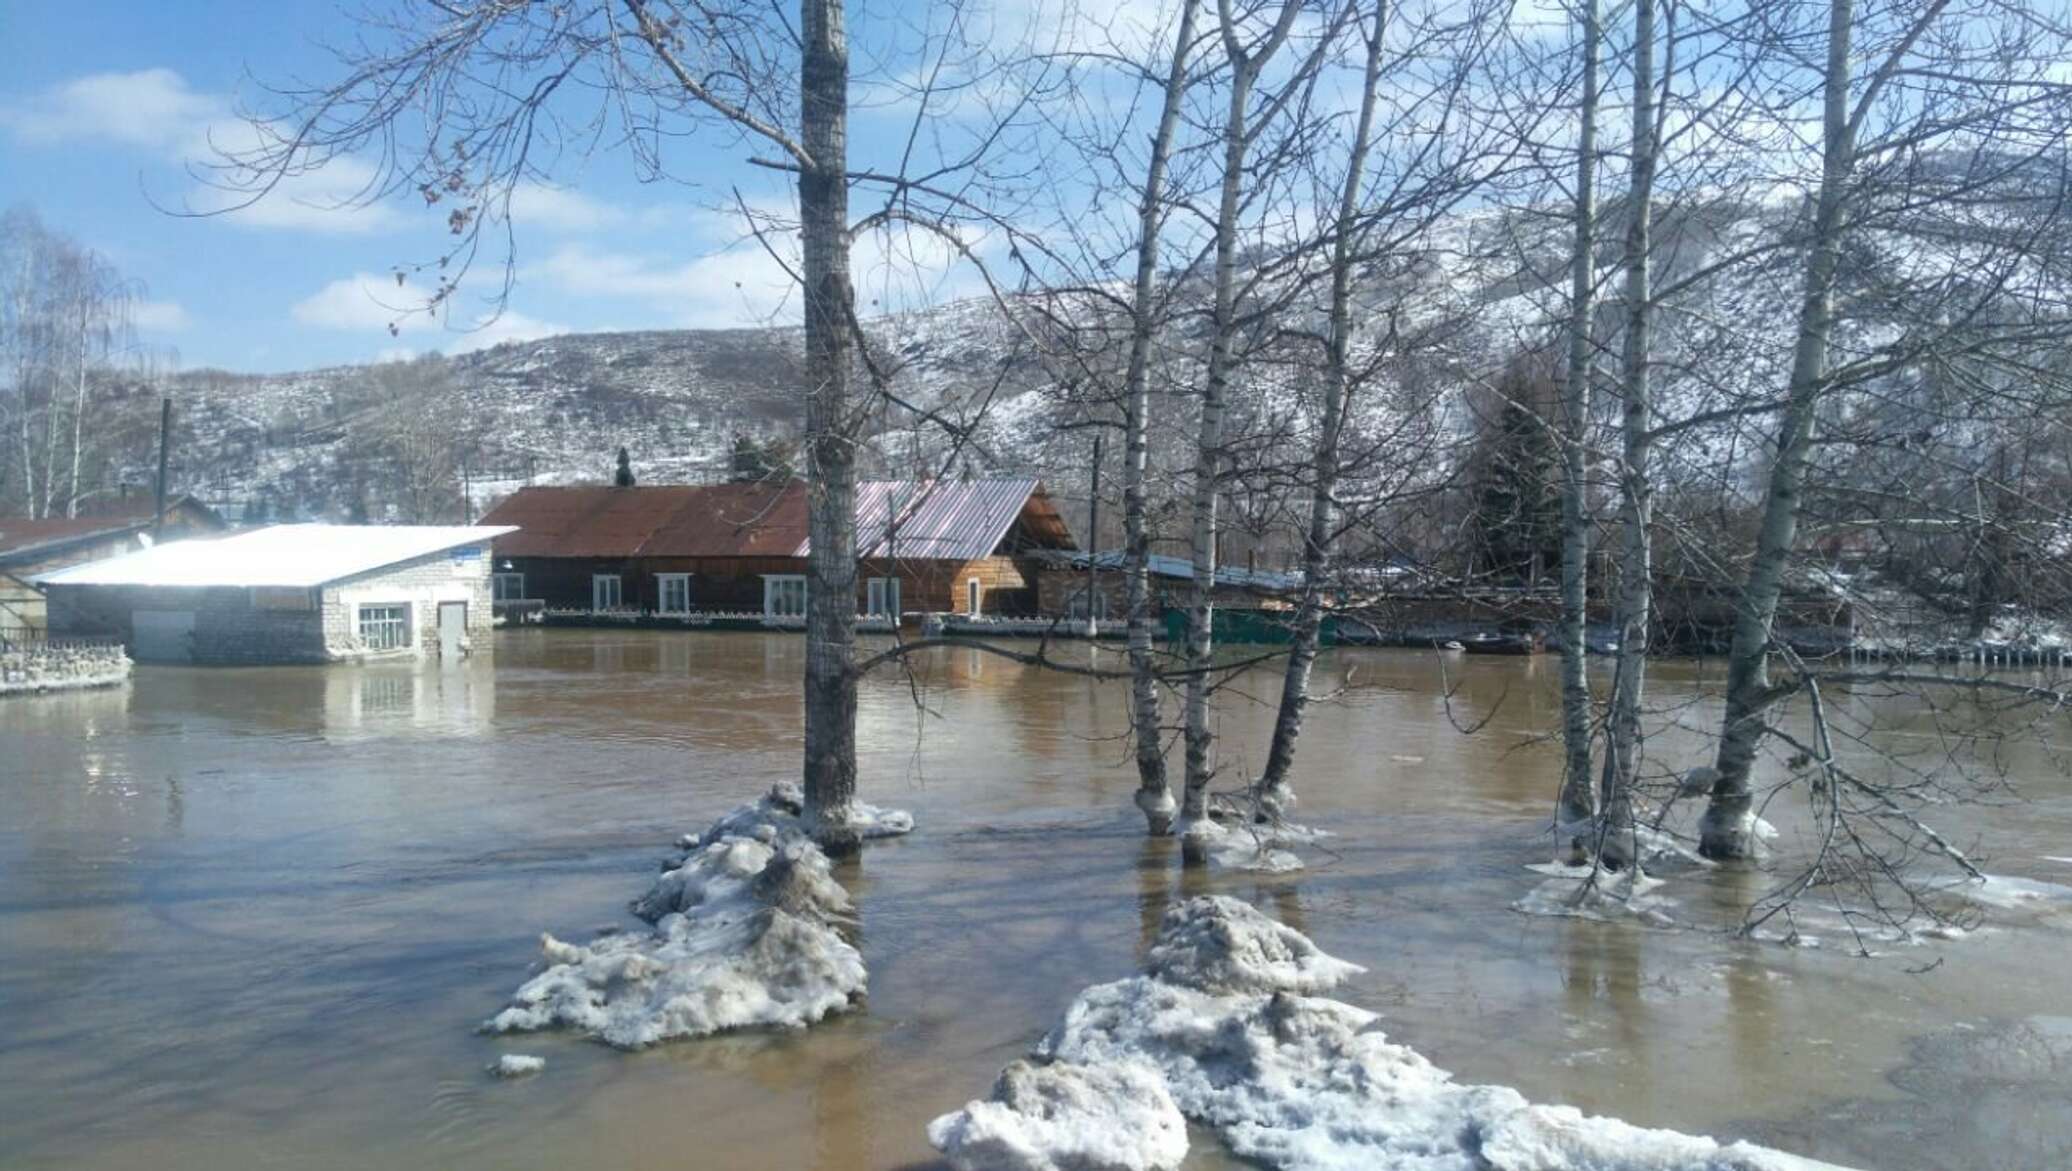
1636, 486
78, 405
830, 683
1578, 805
1272, 794
1208, 452
1154, 794
1727, 830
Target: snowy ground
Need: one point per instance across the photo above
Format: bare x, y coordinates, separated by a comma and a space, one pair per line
1225, 1026
746, 932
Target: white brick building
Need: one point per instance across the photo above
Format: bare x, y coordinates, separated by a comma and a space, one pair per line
288, 594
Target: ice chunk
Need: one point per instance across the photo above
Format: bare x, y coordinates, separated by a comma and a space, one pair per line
517, 1065
1306, 1083
1066, 1117
745, 934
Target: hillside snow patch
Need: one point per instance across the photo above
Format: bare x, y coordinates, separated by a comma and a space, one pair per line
1223, 1015
744, 934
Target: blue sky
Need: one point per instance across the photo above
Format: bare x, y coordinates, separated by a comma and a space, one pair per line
96, 124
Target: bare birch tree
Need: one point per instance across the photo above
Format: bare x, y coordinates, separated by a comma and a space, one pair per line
1933, 115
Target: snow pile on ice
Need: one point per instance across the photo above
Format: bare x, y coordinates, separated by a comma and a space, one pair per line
1306, 1083
517, 1065
744, 935
2009, 893
1586, 892
1066, 1117
1252, 845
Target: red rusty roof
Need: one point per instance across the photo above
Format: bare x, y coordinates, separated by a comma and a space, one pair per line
584, 521
672, 520
735, 520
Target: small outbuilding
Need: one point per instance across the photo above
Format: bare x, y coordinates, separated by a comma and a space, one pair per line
303, 593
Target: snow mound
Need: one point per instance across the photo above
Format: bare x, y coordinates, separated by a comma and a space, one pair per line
1217, 944
744, 935
1306, 1083
1066, 1117
517, 1065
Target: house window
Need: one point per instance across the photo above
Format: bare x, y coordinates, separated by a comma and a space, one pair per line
509, 587
675, 592
1078, 607
784, 596
973, 594
604, 591
882, 594
385, 628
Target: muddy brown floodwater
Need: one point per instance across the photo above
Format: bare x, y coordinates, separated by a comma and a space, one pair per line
249, 918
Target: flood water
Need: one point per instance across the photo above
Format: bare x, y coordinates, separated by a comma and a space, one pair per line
251, 917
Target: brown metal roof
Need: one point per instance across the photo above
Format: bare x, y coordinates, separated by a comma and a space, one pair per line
584, 521
674, 520
940, 520
735, 520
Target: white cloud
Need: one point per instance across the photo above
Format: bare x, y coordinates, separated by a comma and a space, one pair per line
738, 284
156, 111
738, 287
375, 305
150, 108
561, 209
159, 316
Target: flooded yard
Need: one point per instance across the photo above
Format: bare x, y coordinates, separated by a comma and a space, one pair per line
251, 917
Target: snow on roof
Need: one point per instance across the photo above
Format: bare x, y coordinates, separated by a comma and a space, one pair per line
279, 555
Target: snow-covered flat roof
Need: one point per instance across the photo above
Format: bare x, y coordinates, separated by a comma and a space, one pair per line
279, 555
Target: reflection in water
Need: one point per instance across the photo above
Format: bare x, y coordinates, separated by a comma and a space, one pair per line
248, 917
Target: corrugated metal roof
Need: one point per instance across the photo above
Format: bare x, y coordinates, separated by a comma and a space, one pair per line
938, 519
280, 555
946, 520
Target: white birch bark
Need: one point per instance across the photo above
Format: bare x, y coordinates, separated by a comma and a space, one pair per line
1245, 66
1272, 793
1154, 794
1578, 804
1636, 485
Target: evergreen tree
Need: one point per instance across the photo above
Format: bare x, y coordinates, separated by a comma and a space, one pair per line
624, 477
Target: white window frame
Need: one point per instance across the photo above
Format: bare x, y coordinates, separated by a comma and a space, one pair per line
663, 581
392, 633
881, 598
784, 595
1078, 606
598, 591
498, 582
974, 596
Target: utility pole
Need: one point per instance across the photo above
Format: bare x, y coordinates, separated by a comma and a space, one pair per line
165, 439
1093, 542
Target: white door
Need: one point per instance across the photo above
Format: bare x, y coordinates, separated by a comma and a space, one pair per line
453, 628
163, 636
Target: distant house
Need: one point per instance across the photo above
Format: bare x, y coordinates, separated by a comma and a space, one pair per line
1069, 584
105, 529
304, 593
684, 551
